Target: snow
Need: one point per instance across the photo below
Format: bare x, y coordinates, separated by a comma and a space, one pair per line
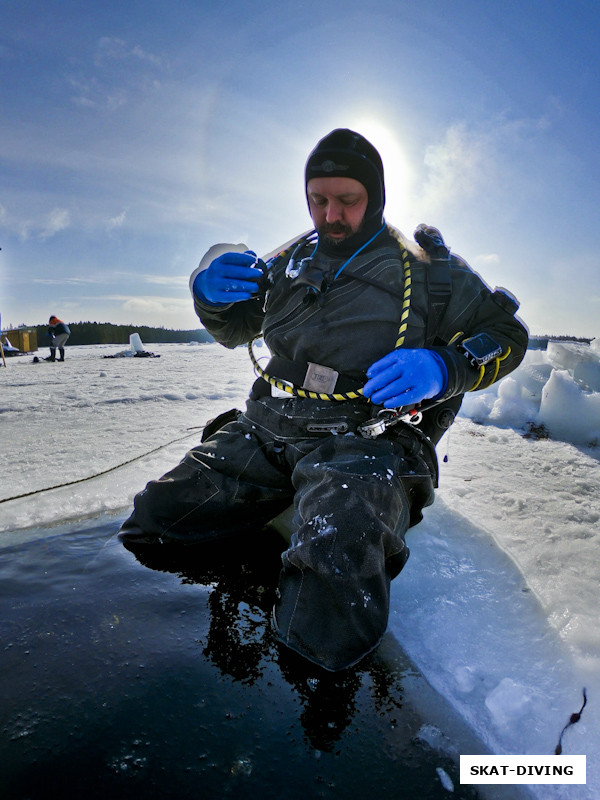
497, 604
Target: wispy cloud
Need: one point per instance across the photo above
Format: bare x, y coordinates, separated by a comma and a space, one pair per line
158, 305
119, 71
456, 165
139, 52
116, 222
57, 220
176, 281
476, 158
167, 280
66, 280
115, 49
44, 227
92, 93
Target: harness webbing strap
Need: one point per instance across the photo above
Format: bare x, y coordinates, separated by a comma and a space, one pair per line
339, 395
439, 289
295, 372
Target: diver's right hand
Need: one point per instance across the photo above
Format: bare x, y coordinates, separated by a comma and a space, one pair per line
230, 278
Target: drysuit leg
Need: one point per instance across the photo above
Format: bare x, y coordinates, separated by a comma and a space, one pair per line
353, 507
227, 484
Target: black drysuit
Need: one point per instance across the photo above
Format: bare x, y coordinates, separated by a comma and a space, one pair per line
354, 497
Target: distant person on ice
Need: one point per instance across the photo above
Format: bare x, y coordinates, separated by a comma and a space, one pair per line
365, 328
58, 332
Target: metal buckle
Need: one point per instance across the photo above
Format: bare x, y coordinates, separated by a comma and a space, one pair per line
387, 417
372, 428
327, 427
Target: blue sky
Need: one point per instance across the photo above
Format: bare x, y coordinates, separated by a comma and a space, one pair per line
134, 135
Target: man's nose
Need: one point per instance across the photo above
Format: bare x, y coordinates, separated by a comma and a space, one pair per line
334, 211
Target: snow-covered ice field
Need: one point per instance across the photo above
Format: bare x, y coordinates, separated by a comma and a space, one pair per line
498, 604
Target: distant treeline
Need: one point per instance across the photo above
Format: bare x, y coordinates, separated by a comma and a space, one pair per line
564, 338
541, 342
107, 333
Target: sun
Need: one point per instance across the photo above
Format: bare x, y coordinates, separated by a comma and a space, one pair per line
396, 166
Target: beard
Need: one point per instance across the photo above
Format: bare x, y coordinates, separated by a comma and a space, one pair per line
337, 228
352, 239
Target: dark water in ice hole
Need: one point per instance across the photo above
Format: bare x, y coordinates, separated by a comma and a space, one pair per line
126, 675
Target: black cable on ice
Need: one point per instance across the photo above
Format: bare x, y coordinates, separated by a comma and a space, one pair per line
98, 474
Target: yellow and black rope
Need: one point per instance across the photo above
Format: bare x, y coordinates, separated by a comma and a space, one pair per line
293, 390
356, 393
406, 297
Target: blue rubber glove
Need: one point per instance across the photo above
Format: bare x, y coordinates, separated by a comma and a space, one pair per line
230, 278
406, 377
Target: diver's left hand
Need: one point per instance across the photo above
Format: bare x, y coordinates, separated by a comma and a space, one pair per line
405, 377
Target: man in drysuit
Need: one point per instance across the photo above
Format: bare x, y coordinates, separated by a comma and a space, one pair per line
365, 329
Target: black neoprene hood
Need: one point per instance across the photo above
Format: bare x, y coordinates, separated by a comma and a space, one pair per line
346, 154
